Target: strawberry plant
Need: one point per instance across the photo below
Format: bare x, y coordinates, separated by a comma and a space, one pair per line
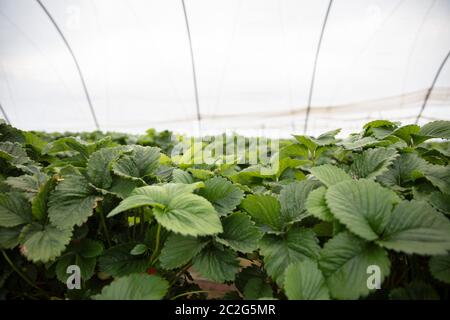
365, 217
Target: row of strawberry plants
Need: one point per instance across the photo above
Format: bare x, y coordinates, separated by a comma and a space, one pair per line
139, 222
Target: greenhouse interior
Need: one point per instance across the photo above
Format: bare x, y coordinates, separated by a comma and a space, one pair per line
225, 150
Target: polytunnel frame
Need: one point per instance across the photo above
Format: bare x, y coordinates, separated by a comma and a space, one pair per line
83, 82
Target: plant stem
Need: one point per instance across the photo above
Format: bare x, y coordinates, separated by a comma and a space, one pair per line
103, 223
187, 293
158, 234
182, 270
20, 273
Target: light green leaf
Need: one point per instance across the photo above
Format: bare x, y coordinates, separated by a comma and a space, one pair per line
181, 176
373, 162
179, 250
224, 196
436, 129
189, 214
281, 251
138, 249
14, 209
265, 211
217, 264
415, 227
142, 162
135, 287
293, 199
43, 243
406, 133
439, 176
240, 233
72, 202
355, 142
344, 261
363, 206
329, 174
440, 268
304, 281
317, 206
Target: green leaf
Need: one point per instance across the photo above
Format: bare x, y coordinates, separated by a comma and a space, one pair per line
117, 261
344, 261
224, 196
440, 201
17, 157
39, 204
317, 206
406, 133
89, 248
86, 265
415, 227
154, 196
403, 170
30, 184
135, 287
363, 206
324, 139
181, 176
293, 199
416, 290
14, 209
142, 162
436, 129
265, 211
217, 264
304, 281
281, 251
138, 249
189, 214
99, 166
373, 162
440, 267
43, 243
439, 176
257, 288
355, 142
9, 237
179, 250
72, 202
330, 175
240, 233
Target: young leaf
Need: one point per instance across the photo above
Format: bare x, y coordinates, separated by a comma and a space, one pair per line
344, 261
304, 281
135, 287
330, 175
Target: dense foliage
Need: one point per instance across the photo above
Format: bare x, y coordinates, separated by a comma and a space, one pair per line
138, 221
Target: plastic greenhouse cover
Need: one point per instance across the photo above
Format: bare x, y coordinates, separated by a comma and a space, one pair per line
254, 62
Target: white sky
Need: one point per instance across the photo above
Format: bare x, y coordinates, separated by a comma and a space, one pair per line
254, 62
